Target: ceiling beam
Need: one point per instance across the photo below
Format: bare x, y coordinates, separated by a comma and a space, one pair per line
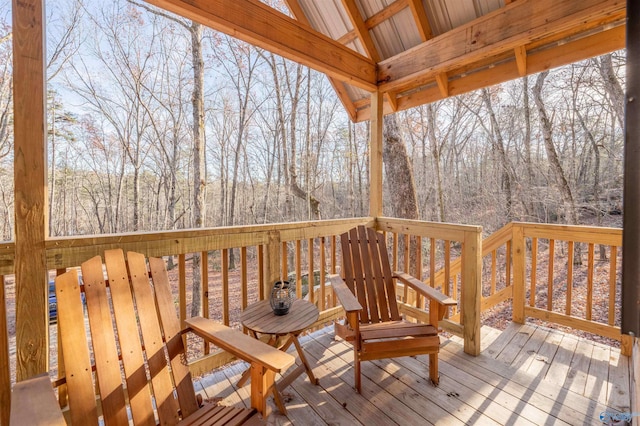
537, 61
503, 30
264, 27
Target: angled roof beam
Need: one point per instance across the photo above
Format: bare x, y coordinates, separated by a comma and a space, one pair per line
376, 19
338, 86
505, 29
361, 29
422, 22
262, 26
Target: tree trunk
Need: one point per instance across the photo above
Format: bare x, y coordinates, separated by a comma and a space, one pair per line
498, 144
199, 183
435, 152
613, 87
399, 178
552, 155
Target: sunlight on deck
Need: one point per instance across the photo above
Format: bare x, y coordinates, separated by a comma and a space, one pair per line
525, 375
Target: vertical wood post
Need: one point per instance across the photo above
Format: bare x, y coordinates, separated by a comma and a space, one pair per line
375, 156
5, 377
631, 223
272, 263
518, 256
471, 290
30, 181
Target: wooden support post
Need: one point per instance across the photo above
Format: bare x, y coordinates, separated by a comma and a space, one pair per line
518, 256
631, 224
471, 290
30, 181
375, 156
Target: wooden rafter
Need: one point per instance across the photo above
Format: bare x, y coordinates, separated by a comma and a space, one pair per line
521, 59
386, 13
338, 86
502, 30
361, 29
376, 19
443, 84
262, 26
420, 16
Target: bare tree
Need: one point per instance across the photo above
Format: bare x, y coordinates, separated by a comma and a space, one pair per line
554, 162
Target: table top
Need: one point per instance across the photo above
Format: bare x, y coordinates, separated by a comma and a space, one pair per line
259, 317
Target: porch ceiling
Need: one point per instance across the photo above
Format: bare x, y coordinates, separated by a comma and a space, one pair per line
418, 51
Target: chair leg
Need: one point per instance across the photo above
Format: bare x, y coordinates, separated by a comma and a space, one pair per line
433, 369
262, 384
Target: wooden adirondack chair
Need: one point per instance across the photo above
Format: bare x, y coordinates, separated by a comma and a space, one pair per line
146, 342
367, 293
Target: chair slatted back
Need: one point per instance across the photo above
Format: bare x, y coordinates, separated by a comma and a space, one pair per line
143, 314
367, 273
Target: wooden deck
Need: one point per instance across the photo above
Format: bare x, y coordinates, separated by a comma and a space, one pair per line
525, 375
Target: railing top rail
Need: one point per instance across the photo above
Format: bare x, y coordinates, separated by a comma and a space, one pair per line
438, 230
70, 251
577, 233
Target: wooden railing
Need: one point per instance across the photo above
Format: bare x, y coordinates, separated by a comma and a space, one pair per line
577, 289
525, 262
502, 268
264, 254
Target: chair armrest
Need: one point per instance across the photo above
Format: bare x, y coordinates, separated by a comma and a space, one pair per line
240, 345
33, 402
424, 289
346, 298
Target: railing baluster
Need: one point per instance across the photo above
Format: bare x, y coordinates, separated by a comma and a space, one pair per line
447, 268
298, 269
493, 272
244, 290
395, 252
204, 272
534, 271
432, 262
310, 280
507, 256
182, 287
407, 247
613, 274
285, 260
590, 267
225, 286
552, 251
569, 301
333, 267
261, 272
323, 255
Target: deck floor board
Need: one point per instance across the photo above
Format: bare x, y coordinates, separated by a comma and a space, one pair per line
525, 375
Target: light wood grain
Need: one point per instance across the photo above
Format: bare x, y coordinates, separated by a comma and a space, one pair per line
30, 187
496, 32
269, 29
29, 394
